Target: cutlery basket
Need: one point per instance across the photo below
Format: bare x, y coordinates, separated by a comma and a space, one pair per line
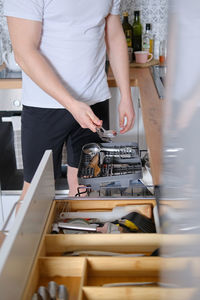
107, 163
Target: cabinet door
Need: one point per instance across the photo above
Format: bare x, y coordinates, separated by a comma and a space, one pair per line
136, 134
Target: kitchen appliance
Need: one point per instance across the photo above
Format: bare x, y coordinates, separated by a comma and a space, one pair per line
102, 165
11, 173
11, 165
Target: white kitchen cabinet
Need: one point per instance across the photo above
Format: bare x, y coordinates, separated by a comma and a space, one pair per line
136, 134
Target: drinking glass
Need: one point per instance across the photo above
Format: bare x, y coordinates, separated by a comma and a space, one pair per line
162, 52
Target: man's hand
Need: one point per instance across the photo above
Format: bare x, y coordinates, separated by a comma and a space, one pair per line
84, 115
126, 115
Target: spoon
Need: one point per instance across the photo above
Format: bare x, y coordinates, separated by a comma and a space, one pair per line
92, 149
36, 296
62, 292
53, 289
43, 292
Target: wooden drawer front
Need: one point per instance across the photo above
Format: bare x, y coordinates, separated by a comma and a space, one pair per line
122, 243
137, 293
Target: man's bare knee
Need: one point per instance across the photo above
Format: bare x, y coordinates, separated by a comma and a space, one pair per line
24, 191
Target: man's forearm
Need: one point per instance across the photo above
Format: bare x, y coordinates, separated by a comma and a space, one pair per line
118, 57
39, 70
26, 37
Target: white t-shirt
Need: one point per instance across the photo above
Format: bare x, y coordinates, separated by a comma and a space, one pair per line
73, 41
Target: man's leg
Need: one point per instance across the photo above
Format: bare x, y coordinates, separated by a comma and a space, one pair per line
42, 129
72, 179
24, 191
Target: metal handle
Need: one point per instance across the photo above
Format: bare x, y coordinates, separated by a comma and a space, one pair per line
6, 119
3, 230
77, 227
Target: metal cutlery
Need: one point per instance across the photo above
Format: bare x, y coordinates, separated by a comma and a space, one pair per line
106, 135
91, 227
36, 296
43, 292
53, 290
62, 293
92, 149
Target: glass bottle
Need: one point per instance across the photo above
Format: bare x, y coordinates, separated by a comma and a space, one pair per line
137, 32
128, 31
147, 40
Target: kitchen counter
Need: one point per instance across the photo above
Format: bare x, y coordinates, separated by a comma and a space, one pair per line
17, 83
151, 109
10, 83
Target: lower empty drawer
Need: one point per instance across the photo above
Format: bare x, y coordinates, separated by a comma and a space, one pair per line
86, 278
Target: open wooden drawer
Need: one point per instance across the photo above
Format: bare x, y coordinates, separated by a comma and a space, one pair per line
85, 276
57, 244
32, 257
77, 272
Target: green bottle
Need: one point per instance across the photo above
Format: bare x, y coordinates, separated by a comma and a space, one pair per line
137, 32
128, 30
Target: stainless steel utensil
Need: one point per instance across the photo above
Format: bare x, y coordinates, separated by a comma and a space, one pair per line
53, 290
36, 296
62, 293
91, 227
43, 292
92, 149
106, 135
130, 284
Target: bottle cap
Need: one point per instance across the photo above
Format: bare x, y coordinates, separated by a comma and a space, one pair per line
136, 12
148, 26
125, 14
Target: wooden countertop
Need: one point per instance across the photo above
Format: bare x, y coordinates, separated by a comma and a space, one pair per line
151, 109
17, 83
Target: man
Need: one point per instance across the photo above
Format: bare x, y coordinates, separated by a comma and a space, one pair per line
61, 48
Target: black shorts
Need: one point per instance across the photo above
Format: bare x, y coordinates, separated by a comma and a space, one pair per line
48, 128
